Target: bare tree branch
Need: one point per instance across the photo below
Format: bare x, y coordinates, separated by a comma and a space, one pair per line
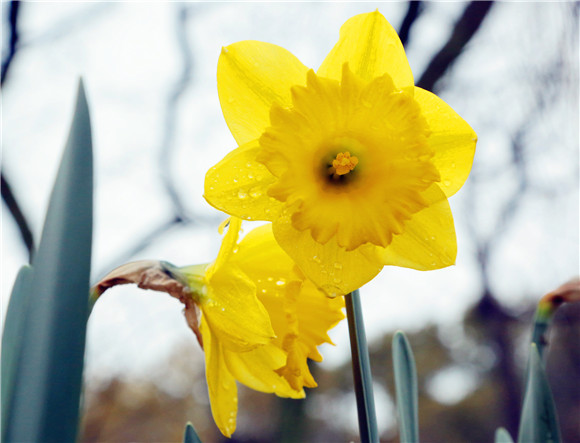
14, 36
12, 205
7, 195
181, 85
464, 30
413, 12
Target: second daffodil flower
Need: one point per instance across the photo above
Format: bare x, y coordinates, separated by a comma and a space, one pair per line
256, 316
352, 164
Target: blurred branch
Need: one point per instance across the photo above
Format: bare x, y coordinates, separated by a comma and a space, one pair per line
21, 222
65, 26
413, 11
167, 143
7, 195
14, 36
465, 28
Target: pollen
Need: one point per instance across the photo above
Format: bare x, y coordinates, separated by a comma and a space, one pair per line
344, 163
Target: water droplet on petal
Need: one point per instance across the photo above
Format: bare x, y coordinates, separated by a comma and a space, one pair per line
281, 282
338, 266
255, 192
447, 182
242, 194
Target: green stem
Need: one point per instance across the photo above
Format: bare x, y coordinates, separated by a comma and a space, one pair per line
361, 370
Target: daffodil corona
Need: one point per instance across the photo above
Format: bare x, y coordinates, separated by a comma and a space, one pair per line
352, 164
260, 318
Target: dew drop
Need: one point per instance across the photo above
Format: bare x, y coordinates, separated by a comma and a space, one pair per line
259, 177
242, 194
249, 164
235, 180
255, 192
337, 280
338, 266
447, 182
211, 188
281, 282
250, 176
316, 259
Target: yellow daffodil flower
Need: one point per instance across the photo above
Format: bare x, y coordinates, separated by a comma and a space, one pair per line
352, 164
260, 318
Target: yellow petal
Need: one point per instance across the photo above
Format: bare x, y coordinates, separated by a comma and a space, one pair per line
317, 315
238, 185
251, 77
256, 369
233, 311
371, 47
452, 139
227, 247
333, 269
428, 241
302, 322
261, 258
222, 388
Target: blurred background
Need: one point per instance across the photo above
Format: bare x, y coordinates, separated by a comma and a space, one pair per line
509, 69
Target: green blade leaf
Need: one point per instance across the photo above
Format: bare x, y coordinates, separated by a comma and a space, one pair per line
538, 422
190, 436
12, 338
502, 436
406, 387
47, 387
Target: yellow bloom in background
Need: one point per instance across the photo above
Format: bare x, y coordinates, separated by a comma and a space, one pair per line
352, 164
251, 285
252, 310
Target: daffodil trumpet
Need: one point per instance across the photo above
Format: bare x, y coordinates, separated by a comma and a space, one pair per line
254, 313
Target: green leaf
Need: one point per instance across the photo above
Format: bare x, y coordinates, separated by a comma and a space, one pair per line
503, 436
48, 380
12, 337
190, 435
406, 388
538, 422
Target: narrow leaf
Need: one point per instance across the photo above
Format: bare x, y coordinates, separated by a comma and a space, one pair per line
190, 436
12, 338
538, 421
503, 436
49, 374
406, 388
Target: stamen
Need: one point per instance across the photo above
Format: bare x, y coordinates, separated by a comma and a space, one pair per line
344, 163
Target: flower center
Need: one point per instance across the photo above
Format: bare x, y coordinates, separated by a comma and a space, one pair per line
343, 163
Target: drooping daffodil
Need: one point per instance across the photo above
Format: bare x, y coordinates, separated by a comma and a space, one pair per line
352, 164
256, 316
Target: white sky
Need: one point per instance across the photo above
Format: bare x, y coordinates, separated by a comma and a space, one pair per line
129, 59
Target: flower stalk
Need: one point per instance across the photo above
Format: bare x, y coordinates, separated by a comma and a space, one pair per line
361, 370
